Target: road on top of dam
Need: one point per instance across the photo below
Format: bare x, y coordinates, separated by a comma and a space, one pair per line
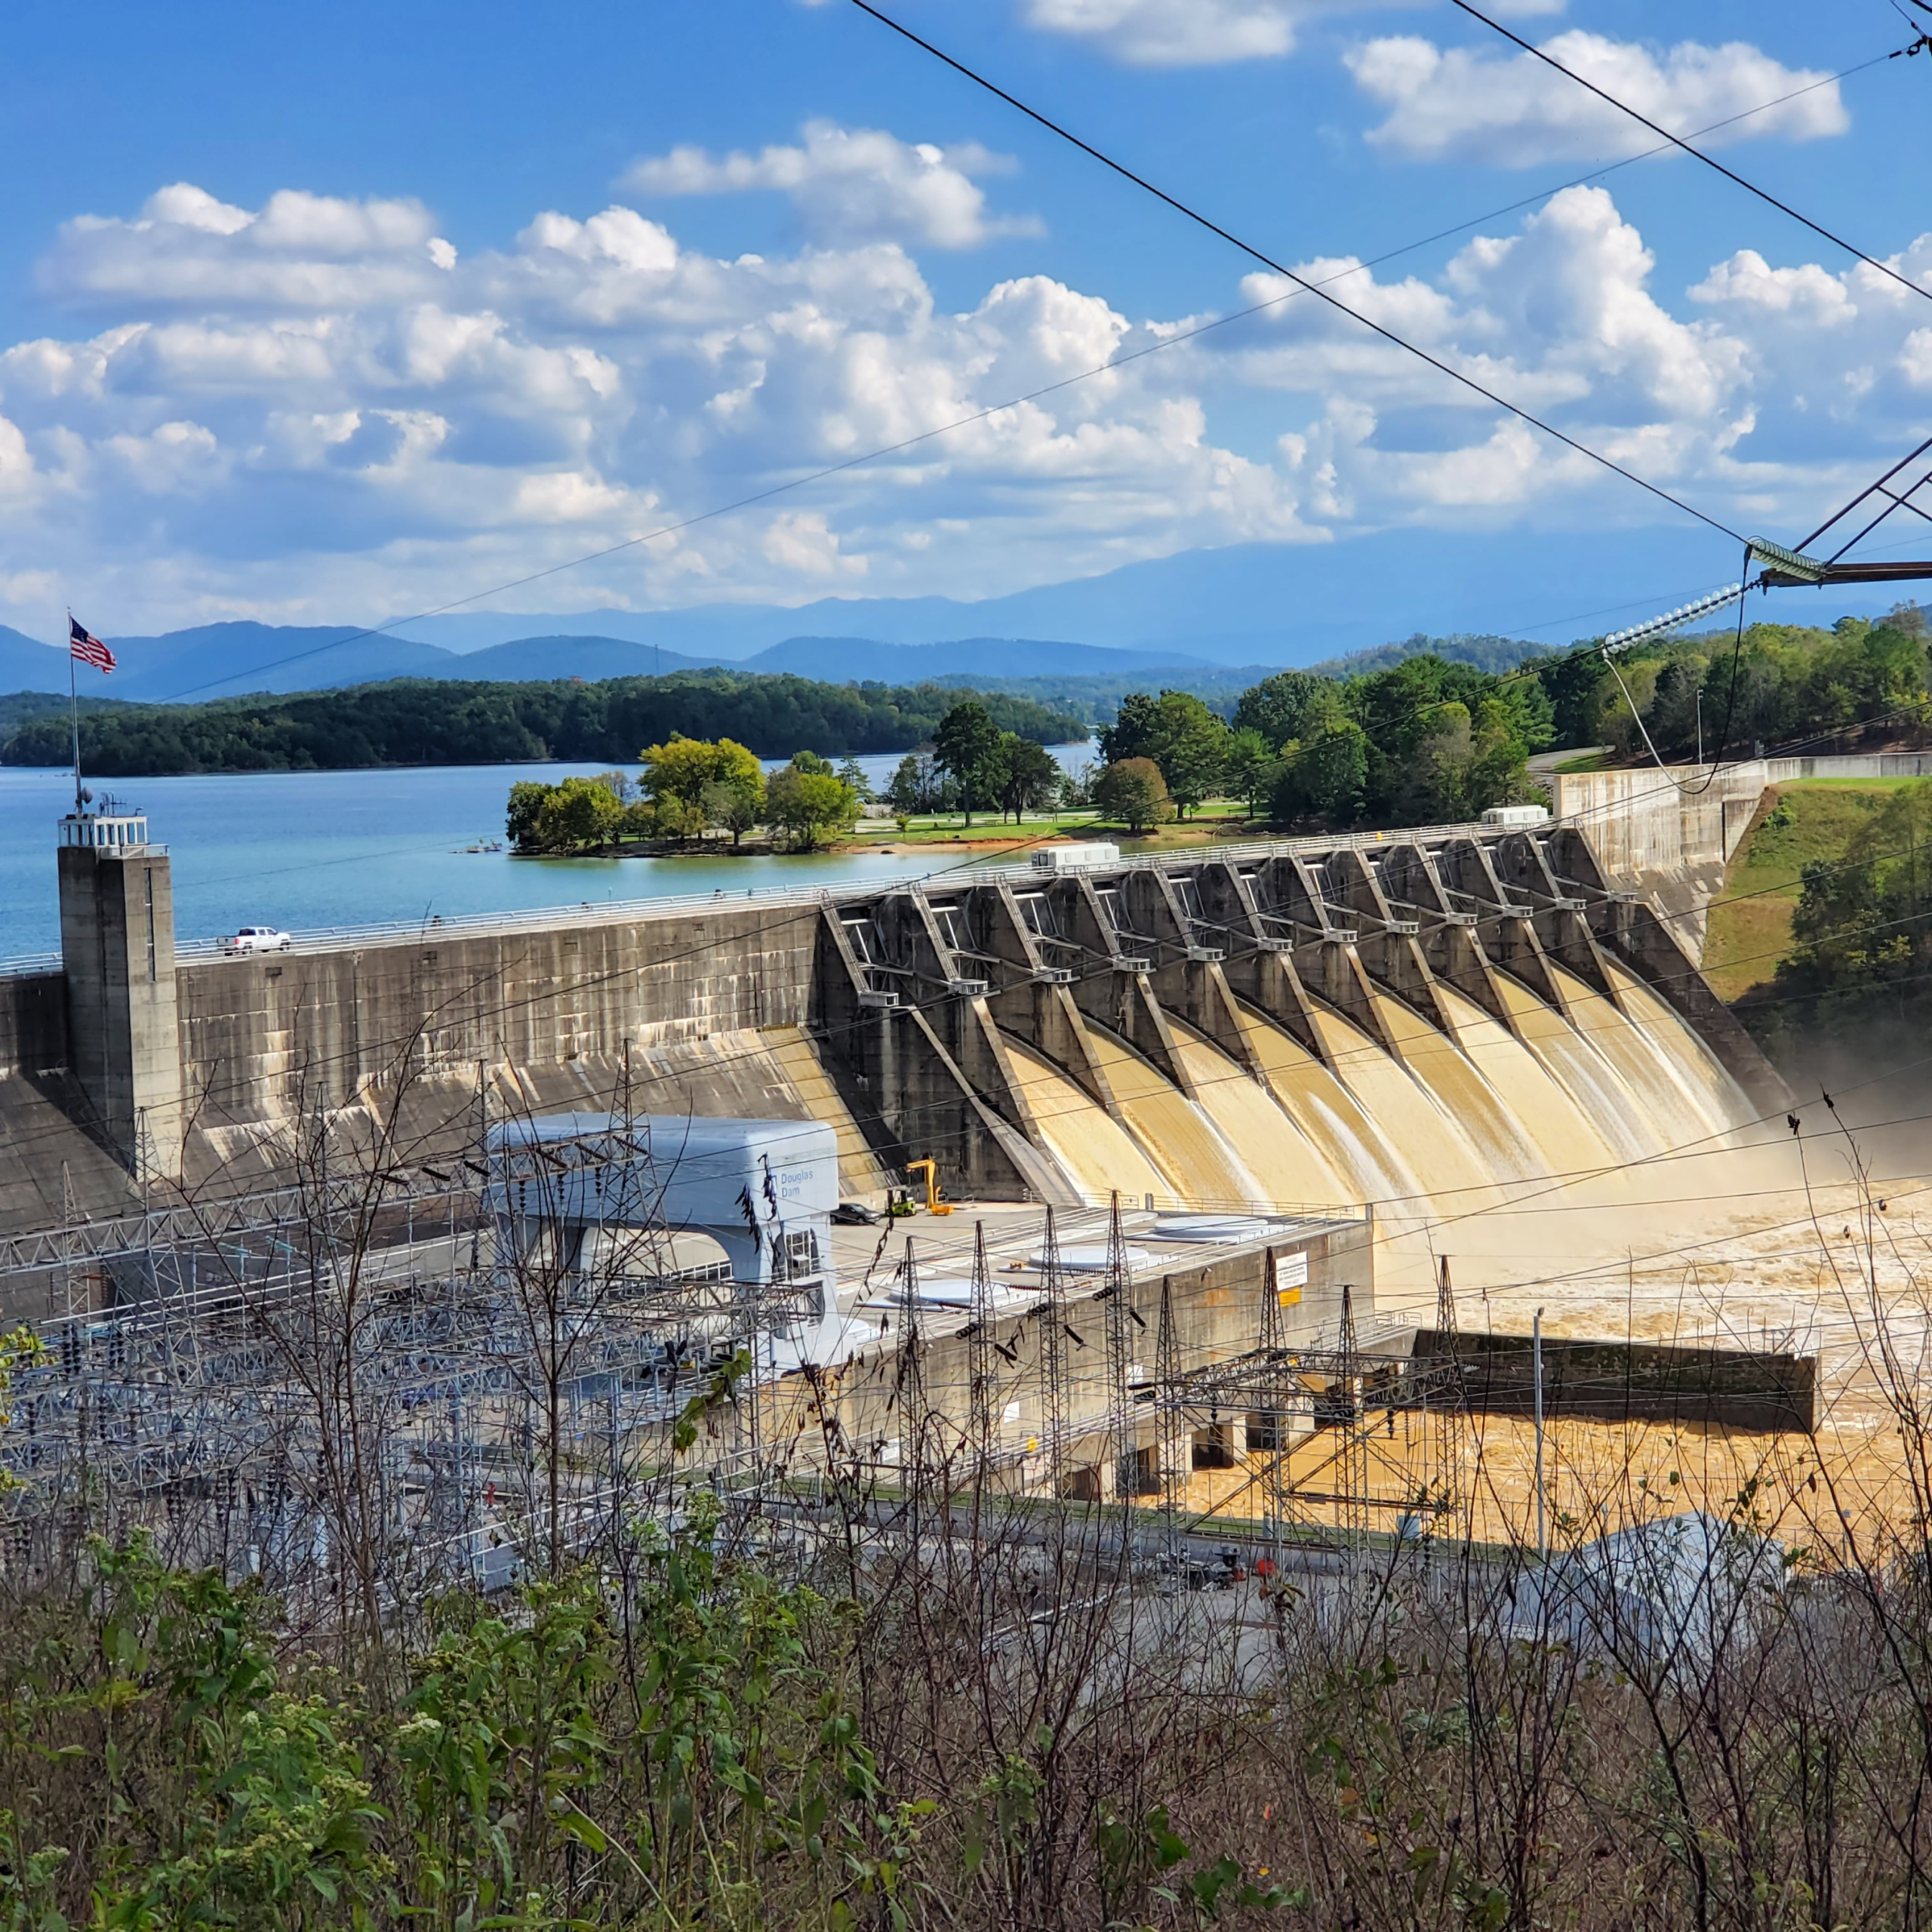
307, 850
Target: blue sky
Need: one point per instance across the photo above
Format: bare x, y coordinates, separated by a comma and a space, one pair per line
317, 316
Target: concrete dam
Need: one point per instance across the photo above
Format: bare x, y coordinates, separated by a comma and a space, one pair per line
1417, 1022
1197, 1106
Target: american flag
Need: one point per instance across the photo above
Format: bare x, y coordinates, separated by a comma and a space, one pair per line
82, 643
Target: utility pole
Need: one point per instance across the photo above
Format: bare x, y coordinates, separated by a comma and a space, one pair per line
1536, 1372
1121, 1442
980, 1355
1051, 1316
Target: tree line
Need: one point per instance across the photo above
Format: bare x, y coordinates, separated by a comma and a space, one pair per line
1421, 741
1860, 681
687, 787
1425, 739
425, 721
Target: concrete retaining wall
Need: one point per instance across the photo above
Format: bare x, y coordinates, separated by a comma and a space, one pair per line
1861, 764
33, 1024
258, 1034
1740, 1388
1648, 823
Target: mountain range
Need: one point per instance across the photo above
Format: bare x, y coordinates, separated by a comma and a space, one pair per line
227, 659
1196, 616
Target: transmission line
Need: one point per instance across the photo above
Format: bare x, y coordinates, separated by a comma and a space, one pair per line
1301, 282
1696, 154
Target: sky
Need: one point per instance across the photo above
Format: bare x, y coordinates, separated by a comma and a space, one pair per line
330, 314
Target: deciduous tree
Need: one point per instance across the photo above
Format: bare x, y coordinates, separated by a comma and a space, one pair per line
968, 744
807, 804
1132, 792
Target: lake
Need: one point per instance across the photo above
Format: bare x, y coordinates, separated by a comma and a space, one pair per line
301, 850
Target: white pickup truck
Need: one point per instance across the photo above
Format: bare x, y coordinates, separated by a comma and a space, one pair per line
257, 939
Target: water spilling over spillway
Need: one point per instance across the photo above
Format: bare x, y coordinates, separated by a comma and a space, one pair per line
1432, 1029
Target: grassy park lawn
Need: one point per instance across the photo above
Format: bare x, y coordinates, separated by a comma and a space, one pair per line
1217, 818
1798, 824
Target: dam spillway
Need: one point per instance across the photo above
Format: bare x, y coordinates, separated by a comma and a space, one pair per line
1421, 1022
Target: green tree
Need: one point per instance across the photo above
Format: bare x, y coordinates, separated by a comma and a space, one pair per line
912, 784
1248, 770
812, 765
807, 804
1623, 698
968, 744
736, 808
852, 773
639, 821
683, 768
1281, 707
1326, 778
1031, 779
563, 817
527, 798
1177, 730
1132, 793
579, 812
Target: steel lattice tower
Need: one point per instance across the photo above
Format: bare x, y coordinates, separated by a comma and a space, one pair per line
980, 1353
1173, 1434
1352, 1490
912, 1389
1275, 1379
1121, 1445
1448, 1424
1052, 1318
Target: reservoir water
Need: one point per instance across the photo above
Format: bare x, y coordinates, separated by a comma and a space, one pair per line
302, 850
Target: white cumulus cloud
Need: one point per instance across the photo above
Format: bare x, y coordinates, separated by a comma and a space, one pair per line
1512, 111
299, 249
851, 184
1176, 33
301, 412
1198, 33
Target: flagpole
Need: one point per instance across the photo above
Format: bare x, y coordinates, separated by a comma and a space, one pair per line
74, 713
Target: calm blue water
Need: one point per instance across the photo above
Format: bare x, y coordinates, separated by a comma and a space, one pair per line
301, 850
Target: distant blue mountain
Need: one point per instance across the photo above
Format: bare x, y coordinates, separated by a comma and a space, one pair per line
1247, 604
235, 659
528, 659
858, 659
27, 665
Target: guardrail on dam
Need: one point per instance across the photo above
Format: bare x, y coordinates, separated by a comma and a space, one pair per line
1386, 1017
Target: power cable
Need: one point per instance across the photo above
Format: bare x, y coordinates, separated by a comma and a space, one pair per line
1696, 154
1301, 283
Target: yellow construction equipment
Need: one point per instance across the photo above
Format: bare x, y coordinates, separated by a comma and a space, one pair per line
934, 1205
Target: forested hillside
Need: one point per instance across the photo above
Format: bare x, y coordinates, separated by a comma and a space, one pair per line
1861, 681
417, 722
